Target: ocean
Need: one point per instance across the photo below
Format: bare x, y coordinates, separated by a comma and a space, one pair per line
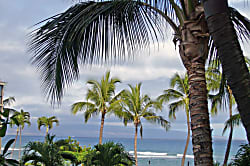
160, 152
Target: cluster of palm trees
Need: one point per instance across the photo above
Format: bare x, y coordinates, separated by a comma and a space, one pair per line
128, 105
21, 119
95, 32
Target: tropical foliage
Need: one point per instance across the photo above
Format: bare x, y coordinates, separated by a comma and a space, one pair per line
47, 153
101, 99
135, 108
178, 95
242, 158
109, 154
47, 122
4, 160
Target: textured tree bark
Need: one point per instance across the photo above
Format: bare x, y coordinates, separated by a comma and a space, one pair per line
17, 131
193, 49
231, 56
101, 128
135, 144
231, 128
187, 141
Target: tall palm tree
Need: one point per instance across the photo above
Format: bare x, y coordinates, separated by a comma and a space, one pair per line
223, 99
101, 98
23, 118
47, 122
95, 32
220, 19
135, 108
178, 94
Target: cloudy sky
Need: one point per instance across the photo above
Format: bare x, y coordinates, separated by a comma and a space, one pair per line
153, 69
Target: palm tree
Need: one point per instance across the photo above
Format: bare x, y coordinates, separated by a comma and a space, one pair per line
22, 118
222, 28
47, 122
95, 32
109, 154
178, 94
135, 108
223, 99
101, 98
47, 153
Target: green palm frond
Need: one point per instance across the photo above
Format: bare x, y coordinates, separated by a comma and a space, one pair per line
242, 27
241, 23
159, 120
170, 94
234, 121
175, 106
91, 32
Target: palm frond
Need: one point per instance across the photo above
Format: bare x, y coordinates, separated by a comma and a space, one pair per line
90, 32
234, 121
174, 107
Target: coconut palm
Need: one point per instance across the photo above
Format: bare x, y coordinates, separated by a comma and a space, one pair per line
23, 118
222, 28
95, 32
135, 108
47, 122
178, 95
101, 99
223, 99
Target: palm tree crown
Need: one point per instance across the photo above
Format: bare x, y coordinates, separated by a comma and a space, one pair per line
101, 98
47, 122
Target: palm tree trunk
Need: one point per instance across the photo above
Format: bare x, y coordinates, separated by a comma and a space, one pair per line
231, 128
101, 128
193, 50
231, 56
47, 131
135, 144
20, 143
187, 141
17, 131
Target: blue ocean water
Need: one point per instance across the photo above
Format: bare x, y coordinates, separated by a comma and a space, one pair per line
160, 152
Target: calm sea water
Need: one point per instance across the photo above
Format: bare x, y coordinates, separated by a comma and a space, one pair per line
160, 152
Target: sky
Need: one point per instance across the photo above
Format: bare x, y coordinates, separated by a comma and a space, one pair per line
154, 69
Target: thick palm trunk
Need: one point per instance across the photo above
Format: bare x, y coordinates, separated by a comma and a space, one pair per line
231, 56
17, 131
229, 142
193, 50
101, 128
187, 141
20, 143
135, 144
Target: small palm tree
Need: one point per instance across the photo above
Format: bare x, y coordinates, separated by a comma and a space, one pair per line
136, 107
178, 94
101, 99
47, 153
47, 122
22, 118
109, 154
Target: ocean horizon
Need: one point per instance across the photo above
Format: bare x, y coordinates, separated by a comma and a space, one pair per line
160, 152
